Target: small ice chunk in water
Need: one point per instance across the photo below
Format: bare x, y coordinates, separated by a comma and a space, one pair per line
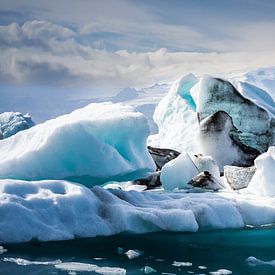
2, 250
120, 250
221, 272
202, 267
147, 269
132, 254
76, 266
180, 264
253, 261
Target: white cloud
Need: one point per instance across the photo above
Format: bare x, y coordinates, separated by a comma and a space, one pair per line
41, 52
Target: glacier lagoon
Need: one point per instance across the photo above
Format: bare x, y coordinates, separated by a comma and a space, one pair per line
214, 252
76, 212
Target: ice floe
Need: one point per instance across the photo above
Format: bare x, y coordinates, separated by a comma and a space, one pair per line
60, 210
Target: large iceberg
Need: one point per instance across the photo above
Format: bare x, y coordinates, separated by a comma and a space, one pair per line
176, 118
60, 210
234, 127
13, 122
91, 145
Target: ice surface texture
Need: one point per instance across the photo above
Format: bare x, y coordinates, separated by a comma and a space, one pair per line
176, 117
91, 145
11, 123
251, 120
263, 181
60, 210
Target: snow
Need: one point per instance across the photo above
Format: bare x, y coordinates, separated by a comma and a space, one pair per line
178, 172
258, 96
176, 118
11, 123
60, 210
92, 145
263, 78
262, 183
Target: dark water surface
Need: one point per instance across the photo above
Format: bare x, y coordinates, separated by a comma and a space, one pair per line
208, 252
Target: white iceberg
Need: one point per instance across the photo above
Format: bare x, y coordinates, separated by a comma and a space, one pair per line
263, 181
91, 145
13, 122
176, 118
178, 172
60, 210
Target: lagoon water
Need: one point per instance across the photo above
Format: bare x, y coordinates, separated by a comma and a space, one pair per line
196, 253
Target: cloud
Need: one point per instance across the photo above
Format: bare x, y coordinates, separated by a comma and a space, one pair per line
183, 25
40, 52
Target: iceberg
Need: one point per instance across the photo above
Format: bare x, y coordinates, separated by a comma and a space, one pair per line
13, 122
178, 172
92, 145
262, 183
234, 129
185, 171
176, 118
61, 210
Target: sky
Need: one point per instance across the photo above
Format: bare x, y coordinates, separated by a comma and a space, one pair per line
96, 47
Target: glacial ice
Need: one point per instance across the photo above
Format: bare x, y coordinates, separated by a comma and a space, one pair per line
71, 266
253, 261
176, 118
258, 96
252, 121
60, 210
92, 145
263, 181
178, 172
13, 122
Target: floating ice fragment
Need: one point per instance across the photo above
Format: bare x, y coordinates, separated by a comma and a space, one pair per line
20, 261
180, 264
132, 254
2, 250
253, 261
120, 250
147, 270
221, 272
77, 266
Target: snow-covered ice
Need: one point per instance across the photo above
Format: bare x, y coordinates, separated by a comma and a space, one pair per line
263, 181
92, 145
13, 122
178, 172
71, 266
60, 210
176, 118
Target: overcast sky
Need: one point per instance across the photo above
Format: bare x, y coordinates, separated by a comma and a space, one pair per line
110, 44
